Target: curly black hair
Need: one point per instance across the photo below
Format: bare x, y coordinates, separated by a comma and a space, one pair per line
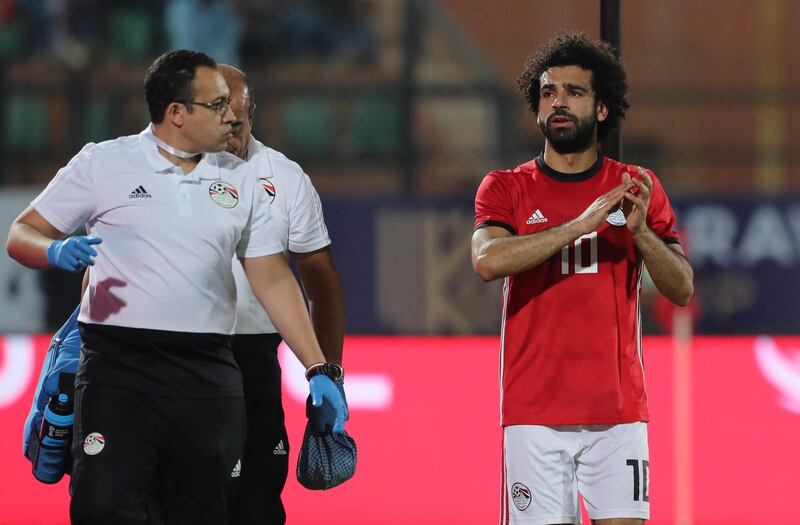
578, 49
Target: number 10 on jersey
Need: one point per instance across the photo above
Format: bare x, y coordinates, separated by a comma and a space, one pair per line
583, 243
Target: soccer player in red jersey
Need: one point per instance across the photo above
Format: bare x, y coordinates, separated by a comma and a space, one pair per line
569, 233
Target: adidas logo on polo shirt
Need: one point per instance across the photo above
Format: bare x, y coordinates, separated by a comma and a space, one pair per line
237, 469
140, 193
279, 450
536, 218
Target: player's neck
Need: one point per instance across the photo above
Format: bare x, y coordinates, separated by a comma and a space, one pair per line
570, 162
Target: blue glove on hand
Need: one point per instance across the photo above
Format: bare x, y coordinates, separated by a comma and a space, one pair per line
340, 385
334, 412
73, 254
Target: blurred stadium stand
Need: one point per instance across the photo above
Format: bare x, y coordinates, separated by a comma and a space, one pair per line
412, 111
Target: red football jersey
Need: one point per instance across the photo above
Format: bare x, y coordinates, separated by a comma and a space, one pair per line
571, 335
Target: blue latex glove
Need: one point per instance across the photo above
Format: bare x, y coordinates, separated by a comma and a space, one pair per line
324, 389
73, 254
340, 386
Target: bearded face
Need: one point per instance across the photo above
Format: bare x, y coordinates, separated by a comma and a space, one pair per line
568, 110
568, 133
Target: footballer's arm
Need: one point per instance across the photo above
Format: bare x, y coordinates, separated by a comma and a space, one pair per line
668, 267
667, 264
497, 253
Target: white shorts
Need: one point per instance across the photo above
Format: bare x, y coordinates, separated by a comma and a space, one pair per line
545, 468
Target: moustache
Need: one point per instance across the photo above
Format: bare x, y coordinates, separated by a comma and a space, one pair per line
561, 113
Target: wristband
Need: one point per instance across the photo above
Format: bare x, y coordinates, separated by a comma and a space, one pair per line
332, 370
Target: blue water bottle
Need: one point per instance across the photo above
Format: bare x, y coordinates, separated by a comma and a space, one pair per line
54, 440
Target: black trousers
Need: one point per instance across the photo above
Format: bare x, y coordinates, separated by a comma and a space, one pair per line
266, 452
131, 446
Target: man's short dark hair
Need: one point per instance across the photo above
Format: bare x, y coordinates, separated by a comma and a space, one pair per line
170, 78
578, 49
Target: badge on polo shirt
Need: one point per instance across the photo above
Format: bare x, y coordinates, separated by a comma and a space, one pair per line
224, 194
269, 188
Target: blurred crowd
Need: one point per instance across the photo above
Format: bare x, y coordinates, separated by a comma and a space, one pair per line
78, 33
71, 72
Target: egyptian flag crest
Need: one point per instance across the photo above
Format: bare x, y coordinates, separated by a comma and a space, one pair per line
269, 188
224, 194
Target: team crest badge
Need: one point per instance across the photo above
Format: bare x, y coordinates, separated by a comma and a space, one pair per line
269, 188
94, 444
224, 194
617, 218
521, 496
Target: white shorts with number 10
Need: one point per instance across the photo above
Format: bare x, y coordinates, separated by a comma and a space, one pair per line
546, 467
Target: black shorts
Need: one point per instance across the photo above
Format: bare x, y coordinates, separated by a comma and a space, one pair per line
266, 453
131, 447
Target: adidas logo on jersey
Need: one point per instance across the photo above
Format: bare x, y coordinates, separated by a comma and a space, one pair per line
237, 470
279, 450
140, 193
536, 218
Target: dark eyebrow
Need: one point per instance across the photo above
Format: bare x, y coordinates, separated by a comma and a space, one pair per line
574, 87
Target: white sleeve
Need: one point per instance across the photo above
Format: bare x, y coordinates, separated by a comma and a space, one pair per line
259, 237
307, 230
70, 200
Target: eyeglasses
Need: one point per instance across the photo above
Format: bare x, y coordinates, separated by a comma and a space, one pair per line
219, 107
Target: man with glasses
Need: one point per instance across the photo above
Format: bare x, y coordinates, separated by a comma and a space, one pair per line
158, 401
297, 213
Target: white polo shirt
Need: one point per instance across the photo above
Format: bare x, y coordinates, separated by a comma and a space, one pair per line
296, 216
168, 238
